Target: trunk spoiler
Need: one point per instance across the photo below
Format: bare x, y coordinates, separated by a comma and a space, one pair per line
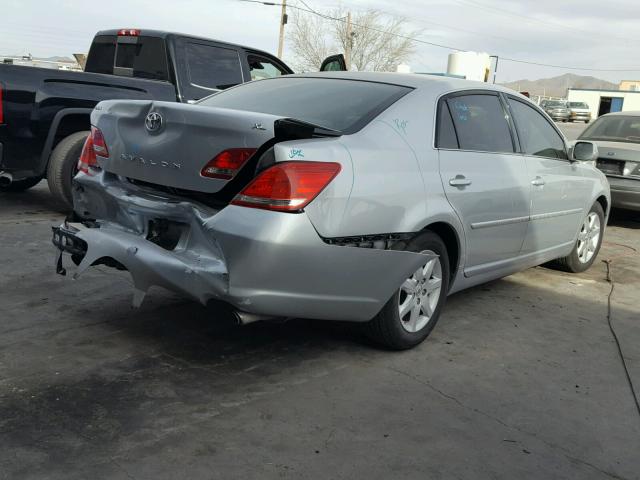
294, 129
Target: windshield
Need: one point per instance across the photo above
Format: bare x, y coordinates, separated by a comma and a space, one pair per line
578, 105
617, 128
555, 103
337, 104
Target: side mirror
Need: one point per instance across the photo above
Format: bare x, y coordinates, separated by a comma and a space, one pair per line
334, 63
584, 151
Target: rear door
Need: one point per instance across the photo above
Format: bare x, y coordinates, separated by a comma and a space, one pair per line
558, 190
485, 180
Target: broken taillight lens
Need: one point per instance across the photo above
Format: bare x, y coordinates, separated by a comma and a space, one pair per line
287, 186
227, 163
93, 146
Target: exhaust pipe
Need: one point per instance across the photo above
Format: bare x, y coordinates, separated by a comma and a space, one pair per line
244, 318
5, 179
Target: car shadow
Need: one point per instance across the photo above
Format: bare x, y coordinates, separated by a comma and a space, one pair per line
624, 218
37, 199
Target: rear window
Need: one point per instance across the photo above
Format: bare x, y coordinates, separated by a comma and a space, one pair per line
141, 57
101, 54
616, 128
343, 105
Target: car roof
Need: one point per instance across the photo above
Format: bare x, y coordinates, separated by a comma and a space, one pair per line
436, 84
624, 114
146, 32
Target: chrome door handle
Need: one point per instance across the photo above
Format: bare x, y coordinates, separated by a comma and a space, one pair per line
538, 182
459, 181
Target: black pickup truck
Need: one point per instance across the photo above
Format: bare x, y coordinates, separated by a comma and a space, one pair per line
44, 113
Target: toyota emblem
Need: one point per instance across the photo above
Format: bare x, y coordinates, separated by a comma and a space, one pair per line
153, 122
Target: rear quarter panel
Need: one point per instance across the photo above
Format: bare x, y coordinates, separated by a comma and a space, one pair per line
395, 182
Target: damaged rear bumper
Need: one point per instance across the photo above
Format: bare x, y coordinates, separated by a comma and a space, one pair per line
259, 261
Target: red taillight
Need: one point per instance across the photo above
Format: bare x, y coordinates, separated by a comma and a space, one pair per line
94, 145
1, 107
287, 186
99, 145
128, 32
227, 163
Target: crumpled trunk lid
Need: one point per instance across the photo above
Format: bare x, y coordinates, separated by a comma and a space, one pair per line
168, 143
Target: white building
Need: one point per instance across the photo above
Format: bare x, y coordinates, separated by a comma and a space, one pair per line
469, 65
606, 101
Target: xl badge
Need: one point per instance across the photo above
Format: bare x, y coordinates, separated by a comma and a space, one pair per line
153, 122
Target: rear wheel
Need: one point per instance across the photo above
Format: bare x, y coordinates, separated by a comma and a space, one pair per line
21, 185
413, 311
588, 244
63, 166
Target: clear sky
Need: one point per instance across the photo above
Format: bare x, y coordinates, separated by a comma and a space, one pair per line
578, 33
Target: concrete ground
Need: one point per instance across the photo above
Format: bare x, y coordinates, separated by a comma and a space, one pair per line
520, 379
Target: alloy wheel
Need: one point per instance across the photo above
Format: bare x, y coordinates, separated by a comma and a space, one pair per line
419, 295
589, 237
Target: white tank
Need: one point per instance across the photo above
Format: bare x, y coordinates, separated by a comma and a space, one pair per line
470, 65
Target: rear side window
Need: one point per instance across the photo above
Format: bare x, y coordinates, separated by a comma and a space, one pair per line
446, 132
337, 104
537, 136
480, 123
213, 68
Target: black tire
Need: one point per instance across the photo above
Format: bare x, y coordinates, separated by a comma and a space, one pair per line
62, 166
586, 121
572, 263
387, 328
21, 185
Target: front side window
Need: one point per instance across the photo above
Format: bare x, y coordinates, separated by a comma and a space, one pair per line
480, 123
261, 68
211, 67
537, 136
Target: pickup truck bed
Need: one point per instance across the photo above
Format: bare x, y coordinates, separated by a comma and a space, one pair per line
44, 113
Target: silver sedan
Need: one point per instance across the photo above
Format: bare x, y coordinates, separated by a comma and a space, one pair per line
617, 136
365, 197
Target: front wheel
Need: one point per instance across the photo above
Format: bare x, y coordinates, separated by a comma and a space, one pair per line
588, 244
413, 310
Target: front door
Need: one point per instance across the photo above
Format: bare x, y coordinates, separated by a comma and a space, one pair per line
484, 179
557, 188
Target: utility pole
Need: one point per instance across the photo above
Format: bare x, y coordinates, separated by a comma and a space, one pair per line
283, 22
347, 50
495, 67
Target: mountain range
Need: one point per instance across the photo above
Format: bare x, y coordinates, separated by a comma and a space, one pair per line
557, 86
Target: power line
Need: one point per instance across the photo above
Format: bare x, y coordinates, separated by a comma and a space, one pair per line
440, 45
546, 23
